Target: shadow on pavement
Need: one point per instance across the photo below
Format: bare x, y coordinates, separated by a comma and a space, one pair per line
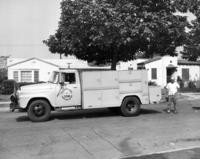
149, 111
78, 114
22, 118
196, 108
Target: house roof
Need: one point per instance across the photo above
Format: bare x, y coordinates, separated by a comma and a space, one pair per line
180, 62
186, 62
150, 60
64, 63
34, 58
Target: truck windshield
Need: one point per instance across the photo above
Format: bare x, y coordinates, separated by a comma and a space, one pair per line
54, 77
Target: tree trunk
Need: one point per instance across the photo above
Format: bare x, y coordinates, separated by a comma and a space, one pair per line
114, 61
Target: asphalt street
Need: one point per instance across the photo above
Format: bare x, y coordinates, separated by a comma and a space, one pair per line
104, 134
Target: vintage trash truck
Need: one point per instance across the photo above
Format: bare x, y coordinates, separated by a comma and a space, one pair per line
75, 89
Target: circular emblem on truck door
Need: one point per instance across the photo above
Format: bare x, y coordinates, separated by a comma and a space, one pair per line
66, 94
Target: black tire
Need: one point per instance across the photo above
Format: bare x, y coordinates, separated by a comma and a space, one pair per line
130, 106
39, 110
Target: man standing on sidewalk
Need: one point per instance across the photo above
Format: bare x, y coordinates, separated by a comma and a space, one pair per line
172, 88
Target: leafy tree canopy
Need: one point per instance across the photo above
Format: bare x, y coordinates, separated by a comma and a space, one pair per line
192, 44
108, 31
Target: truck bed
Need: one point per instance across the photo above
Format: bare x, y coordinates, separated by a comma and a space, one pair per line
108, 88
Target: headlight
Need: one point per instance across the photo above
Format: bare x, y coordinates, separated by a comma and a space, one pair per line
18, 93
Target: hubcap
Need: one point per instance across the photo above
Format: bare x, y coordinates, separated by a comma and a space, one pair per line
39, 110
131, 106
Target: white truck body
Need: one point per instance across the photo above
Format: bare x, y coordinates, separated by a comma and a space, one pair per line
88, 89
108, 88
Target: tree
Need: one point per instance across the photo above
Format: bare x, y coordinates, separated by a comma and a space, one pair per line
55, 44
192, 46
108, 31
192, 43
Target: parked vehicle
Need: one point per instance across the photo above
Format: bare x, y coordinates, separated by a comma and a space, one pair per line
86, 89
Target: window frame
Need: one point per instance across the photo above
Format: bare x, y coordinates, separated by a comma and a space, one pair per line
16, 73
21, 74
154, 75
75, 80
188, 74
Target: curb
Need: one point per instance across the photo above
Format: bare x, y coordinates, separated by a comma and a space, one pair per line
4, 109
4, 106
4, 102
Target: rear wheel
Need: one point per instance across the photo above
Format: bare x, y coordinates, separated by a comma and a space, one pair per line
39, 110
130, 106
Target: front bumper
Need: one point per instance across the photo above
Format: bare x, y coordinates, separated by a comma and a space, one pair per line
14, 103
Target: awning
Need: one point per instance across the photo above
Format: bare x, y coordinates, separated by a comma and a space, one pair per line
171, 66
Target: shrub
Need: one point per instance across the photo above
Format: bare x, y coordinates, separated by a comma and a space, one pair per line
3, 74
191, 85
7, 87
151, 83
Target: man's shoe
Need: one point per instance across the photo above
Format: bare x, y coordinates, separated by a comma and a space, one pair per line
175, 112
168, 111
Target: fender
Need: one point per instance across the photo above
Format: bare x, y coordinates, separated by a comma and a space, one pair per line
24, 100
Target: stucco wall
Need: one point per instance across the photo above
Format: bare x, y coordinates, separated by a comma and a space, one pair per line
129, 64
161, 66
155, 64
194, 71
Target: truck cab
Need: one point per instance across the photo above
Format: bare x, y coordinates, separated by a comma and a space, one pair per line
67, 88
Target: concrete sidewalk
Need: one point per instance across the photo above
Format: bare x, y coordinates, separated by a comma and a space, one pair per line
191, 96
4, 103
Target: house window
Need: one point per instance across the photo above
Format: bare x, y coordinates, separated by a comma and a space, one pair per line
154, 73
15, 76
36, 76
185, 74
26, 76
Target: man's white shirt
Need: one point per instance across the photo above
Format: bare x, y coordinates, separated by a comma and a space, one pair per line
172, 88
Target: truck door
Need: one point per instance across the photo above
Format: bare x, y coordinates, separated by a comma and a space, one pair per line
68, 93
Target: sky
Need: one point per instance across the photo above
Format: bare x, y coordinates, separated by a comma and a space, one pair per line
25, 24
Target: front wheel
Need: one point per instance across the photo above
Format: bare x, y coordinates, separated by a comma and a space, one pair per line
130, 106
39, 110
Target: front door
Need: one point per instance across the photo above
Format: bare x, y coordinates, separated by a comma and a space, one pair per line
170, 73
68, 93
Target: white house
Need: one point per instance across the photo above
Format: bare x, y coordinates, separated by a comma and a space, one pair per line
129, 65
162, 69
34, 69
189, 71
